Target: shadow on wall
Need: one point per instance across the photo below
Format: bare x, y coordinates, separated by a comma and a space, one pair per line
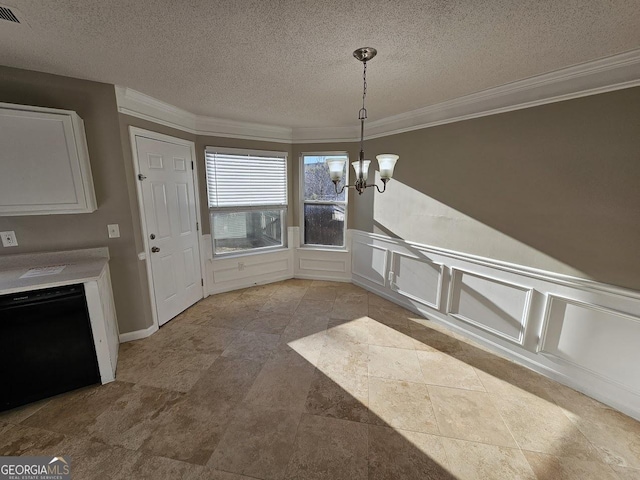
551, 187
408, 214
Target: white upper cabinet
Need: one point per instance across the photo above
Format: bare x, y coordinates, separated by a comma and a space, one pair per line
44, 162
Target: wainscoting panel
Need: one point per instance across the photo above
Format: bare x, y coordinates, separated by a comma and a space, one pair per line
322, 263
370, 262
579, 332
583, 335
492, 305
249, 268
232, 273
417, 278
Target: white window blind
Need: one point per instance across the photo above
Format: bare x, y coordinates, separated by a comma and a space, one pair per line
246, 180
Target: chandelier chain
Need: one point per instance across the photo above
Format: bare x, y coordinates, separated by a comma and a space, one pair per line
363, 111
364, 81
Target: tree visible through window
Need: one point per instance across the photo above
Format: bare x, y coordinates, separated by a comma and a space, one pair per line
324, 212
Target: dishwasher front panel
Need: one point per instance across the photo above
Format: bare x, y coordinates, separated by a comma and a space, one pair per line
46, 345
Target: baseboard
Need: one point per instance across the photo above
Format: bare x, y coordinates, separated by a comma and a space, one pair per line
328, 278
138, 334
246, 283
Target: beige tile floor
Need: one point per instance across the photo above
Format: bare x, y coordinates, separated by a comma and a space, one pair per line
319, 380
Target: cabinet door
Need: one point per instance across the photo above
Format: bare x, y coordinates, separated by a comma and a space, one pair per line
45, 167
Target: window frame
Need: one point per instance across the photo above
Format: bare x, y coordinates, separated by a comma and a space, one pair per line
246, 208
303, 202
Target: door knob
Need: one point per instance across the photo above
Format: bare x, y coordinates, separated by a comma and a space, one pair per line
155, 249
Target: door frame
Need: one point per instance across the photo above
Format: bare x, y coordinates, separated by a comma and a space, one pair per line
140, 132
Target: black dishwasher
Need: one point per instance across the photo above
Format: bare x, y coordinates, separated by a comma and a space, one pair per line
46, 345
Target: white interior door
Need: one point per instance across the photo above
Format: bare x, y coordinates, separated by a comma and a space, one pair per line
170, 215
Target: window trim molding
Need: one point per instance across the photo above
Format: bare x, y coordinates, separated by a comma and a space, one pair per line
285, 208
246, 151
301, 200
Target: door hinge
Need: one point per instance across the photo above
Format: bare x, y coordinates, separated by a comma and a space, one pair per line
141, 177
202, 282
197, 226
191, 164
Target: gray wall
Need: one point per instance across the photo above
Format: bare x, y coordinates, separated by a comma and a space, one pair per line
554, 187
96, 105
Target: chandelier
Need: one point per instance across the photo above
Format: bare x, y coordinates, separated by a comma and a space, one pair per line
386, 161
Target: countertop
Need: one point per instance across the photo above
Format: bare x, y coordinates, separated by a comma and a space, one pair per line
80, 266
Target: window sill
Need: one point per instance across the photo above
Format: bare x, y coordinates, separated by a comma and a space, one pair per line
322, 249
219, 258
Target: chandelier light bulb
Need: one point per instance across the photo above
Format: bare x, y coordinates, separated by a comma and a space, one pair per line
386, 163
336, 168
365, 169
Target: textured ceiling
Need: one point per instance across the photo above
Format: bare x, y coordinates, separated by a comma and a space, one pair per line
289, 63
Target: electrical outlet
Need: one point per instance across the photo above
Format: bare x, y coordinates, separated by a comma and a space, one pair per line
240, 266
114, 230
9, 239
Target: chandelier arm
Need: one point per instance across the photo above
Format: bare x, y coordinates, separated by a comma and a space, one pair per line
338, 192
384, 187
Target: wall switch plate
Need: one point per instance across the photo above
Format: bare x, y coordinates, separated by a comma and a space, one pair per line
114, 230
9, 239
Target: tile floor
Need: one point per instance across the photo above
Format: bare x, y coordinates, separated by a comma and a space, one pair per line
320, 380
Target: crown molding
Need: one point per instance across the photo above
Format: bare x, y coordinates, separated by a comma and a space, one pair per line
599, 76
219, 127
138, 104
326, 134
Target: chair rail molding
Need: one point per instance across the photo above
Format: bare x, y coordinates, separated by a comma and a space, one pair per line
603, 75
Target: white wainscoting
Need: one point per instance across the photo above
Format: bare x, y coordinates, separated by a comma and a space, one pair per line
232, 273
418, 279
584, 335
492, 305
579, 332
369, 261
322, 263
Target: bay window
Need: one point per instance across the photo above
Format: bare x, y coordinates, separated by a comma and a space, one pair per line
247, 197
323, 211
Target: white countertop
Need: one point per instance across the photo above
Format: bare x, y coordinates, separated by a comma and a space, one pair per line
80, 266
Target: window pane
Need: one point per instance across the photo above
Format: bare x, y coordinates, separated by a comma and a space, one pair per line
317, 182
324, 224
240, 231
